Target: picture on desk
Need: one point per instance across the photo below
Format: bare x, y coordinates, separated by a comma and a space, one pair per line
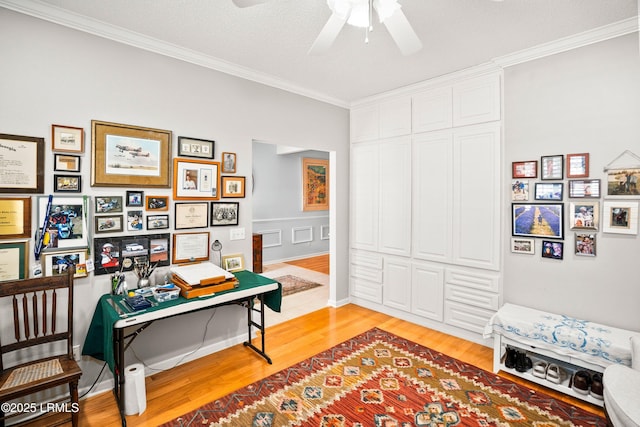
115, 254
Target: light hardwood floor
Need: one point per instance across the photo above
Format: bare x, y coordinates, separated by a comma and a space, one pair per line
318, 263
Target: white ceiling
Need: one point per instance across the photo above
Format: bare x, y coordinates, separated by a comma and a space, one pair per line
269, 42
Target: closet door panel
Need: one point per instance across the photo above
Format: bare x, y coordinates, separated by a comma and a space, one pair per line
364, 196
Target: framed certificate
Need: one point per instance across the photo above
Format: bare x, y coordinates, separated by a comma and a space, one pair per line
23, 164
13, 261
190, 247
191, 215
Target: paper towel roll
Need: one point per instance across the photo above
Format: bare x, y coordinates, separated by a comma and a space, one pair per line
135, 394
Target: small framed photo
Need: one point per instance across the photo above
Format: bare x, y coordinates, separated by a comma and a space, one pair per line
620, 217
538, 220
194, 147
584, 188
191, 215
552, 167
228, 162
66, 138
527, 169
110, 204
157, 222
135, 198
224, 213
519, 190
56, 264
233, 262
134, 221
157, 203
585, 244
67, 183
233, 186
578, 165
66, 163
584, 215
553, 250
521, 245
108, 223
623, 183
549, 191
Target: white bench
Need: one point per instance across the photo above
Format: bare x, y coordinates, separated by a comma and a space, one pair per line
574, 344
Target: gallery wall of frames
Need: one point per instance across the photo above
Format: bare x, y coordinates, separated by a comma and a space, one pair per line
556, 199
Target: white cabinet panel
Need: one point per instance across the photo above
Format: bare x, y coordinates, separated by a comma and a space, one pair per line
466, 317
367, 259
474, 297
476, 100
365, 123
427, 284
395, 196
395, 118
432, 200
364, 196
432, 110
477, 279
366, 290
397, 283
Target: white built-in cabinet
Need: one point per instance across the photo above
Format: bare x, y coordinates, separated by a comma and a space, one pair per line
425, 202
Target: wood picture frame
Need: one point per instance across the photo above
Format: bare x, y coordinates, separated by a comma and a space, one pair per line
67, 183
315, 184
233, 262
527, 169
620, 217
16, 260
578, 165
156, 203
108, 224
538, 220
584, 188
228, 162
233, 186
191, 215
57, 263
521, 245
129, 156
196, 180
623, 183
15, 217
224, 213
552, 167
66, 163
190, 247
195, 147
67, 139
24, 160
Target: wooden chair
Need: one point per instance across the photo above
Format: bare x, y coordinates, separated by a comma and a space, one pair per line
38, 315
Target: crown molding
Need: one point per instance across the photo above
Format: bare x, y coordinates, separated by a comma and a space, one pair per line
101, 29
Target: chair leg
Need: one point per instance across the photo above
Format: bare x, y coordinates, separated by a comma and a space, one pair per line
75, 410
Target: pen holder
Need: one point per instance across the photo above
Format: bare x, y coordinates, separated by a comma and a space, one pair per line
143, 282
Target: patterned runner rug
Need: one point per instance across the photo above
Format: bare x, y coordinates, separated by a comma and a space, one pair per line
379, 379
292, 284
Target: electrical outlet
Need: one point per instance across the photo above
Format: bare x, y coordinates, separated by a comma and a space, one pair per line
76, 352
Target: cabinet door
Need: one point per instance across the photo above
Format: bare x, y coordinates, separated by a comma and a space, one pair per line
365, 123
432, 187
395, 118
476, 100
395, 196
364, 196
427, 284
476, 204
432, 110
396, 291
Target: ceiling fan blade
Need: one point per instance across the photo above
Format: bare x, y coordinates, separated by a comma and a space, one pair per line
328, 34
248, 3
402, 33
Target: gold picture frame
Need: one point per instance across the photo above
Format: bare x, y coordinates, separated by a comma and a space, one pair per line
315, 184
233, 262
129, 156
15, 217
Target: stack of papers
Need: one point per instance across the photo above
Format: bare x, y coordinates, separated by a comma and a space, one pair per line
193, 274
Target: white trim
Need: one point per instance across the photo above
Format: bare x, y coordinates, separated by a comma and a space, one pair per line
295, 258
325, 232
305, 235
278, 234
290, 219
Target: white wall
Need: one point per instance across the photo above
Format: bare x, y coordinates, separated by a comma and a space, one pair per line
584, 100
52, 74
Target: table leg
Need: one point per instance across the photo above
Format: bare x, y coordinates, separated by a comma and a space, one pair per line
118, 355
251, 323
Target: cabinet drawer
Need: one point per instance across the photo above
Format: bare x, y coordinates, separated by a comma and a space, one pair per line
366, 290
475, 297
366, 259
366, 273
466, 317
473, 279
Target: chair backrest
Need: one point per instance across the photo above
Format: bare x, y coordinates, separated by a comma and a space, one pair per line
36, 312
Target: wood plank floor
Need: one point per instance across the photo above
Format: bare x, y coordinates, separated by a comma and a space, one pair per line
318, 263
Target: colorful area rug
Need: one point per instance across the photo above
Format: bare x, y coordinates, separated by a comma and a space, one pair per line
293, 284
379, 379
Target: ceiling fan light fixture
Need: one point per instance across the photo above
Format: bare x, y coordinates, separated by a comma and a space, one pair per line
357, 12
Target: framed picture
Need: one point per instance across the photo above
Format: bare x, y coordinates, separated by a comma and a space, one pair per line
190, 247
315, 184
119, 253
549, 191
623, 183
66, 138
552, 167
109, 204
194, 147
157, 203
584, 215
584, 188
67, 183
228, 162
233, 262
15, 257
233, 186
191, 215
157, 222
134, 220
620, 217
108, 223
64, 222
129, 156
520, 245
195, 180
585, 244
23, 164
578, 165
135, 198
553, 250
66, 163
56, 264
15, 218
527, 169
519, 190
538, 220
224, 213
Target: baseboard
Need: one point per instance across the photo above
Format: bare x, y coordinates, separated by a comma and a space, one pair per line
295, 258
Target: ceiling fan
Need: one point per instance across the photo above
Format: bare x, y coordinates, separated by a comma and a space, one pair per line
359, 13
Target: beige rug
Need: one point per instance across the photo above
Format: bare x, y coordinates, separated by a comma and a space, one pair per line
294, 284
